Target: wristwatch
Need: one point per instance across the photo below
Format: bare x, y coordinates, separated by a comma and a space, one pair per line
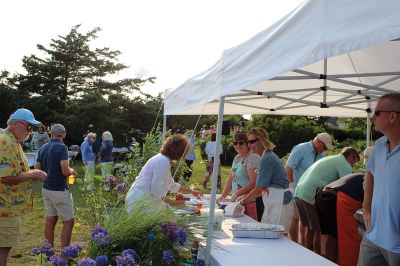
242, 203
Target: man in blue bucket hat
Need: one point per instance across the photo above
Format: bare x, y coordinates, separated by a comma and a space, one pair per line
15, 179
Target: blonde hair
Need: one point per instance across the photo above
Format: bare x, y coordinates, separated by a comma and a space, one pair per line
107, 136
262, 135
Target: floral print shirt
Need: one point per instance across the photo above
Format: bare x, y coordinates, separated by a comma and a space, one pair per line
15, 200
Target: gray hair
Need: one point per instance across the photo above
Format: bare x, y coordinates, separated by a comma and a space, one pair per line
90, 135
107, 136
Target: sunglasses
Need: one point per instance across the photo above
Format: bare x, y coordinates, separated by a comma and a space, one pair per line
239, 142
28, 126
378, 112
252, 141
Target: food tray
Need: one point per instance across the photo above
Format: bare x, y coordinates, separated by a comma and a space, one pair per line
257, 230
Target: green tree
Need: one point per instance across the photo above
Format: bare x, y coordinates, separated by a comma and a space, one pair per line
70, 69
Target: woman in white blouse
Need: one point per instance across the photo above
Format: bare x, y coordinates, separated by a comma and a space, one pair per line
155, 179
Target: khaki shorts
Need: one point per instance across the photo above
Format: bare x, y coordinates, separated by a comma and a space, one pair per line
58, 203
10, 231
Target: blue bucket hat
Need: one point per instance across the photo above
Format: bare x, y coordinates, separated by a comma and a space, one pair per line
25, 115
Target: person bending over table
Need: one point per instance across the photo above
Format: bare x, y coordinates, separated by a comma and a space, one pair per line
155, 179
272, 182
243, 175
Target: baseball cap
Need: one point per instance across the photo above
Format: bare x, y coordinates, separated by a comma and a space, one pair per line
57, 129
326, 139
25, 115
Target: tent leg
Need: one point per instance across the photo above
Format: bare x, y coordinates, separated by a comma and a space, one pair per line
214, 181
164, 127
368, 130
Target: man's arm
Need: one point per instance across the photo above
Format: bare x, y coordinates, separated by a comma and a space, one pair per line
65, 169
24, 176
366, 206
289, 173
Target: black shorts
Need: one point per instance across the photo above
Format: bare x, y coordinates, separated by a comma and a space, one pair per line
325, 203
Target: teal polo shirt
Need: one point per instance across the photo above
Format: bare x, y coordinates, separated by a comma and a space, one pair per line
320, 174
301, 157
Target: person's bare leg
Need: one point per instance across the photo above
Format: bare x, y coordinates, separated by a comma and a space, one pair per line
317, 242
331, 247
51, 222
4, 255
309, 239
294, 230
66, 233
302, 235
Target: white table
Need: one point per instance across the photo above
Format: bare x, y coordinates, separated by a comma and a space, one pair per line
230, 251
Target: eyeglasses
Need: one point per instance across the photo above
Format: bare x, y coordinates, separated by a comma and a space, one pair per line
28, 126
378, 112
252, 141
239, 142
323, 144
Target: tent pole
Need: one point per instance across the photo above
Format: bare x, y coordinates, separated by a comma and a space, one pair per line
164, 127
214, 181
325, 81
369, 125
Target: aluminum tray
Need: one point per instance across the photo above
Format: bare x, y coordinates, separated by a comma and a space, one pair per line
257, 230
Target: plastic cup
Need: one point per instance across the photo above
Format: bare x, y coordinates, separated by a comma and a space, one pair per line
71, 179
199, 206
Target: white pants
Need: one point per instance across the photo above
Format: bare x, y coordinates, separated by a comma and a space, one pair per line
90, 169
106, 170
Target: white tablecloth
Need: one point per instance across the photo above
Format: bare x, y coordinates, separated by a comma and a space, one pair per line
31, 157
230, 251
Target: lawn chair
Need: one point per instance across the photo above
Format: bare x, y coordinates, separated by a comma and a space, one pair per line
73, 151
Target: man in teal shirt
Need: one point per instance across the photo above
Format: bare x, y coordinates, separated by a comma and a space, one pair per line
301, 157
317, 176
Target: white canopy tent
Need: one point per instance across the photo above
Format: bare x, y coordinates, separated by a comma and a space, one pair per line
325, 58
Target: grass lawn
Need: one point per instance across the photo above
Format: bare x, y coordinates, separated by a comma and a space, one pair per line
33, 224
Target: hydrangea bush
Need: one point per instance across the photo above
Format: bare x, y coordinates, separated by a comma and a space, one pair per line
144, 236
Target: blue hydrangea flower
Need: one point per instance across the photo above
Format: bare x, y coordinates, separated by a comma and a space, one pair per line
86, 262
46, 248
179, 235
151, 236
101, 260
72, 251
36, 251
168, 227
168, 258
127, 260
58, 261
175, 232
200, 262
131, 252
121, 187
99, 230
101, 240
